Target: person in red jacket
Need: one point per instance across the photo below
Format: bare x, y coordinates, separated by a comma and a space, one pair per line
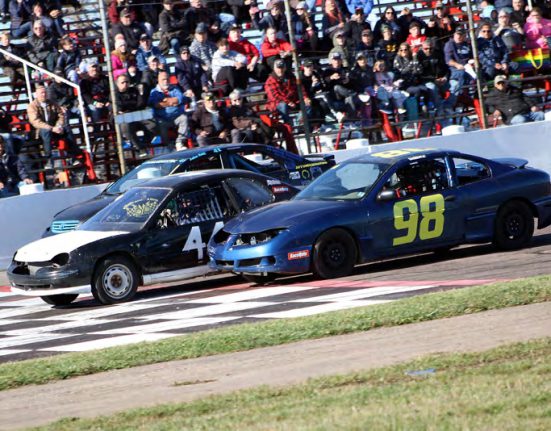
239, 44
282, 93
273, 49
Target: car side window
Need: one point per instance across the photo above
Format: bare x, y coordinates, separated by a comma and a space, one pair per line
194, 207
418, 177
211, 161
250, 193
469, 171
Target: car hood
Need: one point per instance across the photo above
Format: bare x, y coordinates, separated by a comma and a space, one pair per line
45, 249
286, 214
84, 210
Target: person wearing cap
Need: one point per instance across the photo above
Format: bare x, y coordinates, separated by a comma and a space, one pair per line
202, 48
192, 79
150, 76
387, 46
130, 29
172, 26
282, 92
197, 13
340, 47
94, 87
146, 50
229, 68
338, 83
169, 110
304, 26
511, 104
121, 59
459, 58
493, 55
241, 45
315, 89
368, 47
362, 80
406, 19
441, 25
274, 48
274, 19
355, 26
246, 125
129, 99
210, 124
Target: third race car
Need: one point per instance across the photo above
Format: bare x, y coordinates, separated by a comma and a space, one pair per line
385, 204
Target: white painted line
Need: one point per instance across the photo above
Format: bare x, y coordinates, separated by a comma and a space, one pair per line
6, 313
108, 342
208, 310
54, 327
246, 295
167, 326
31, 339
106, 311
363, 293
12, 352
317, 309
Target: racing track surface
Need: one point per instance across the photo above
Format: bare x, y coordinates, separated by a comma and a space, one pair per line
30, 328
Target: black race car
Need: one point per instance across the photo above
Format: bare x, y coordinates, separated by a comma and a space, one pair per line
275, 162
156, 232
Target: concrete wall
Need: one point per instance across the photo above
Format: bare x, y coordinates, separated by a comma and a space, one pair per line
24, 218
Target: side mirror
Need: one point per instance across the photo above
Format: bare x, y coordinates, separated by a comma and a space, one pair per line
386, 195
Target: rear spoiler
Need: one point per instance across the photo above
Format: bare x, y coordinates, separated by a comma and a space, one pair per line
330, 158
512, 162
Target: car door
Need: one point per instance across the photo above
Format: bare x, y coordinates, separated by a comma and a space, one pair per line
260, 161
184, 226
416, 208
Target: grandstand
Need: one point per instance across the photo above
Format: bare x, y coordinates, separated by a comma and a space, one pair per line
84, 25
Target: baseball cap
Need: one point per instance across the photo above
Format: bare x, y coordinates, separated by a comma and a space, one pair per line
301, 5
460, 30
201, 28
367, 31
439, 5
152, 58
144, 36
208, 96
125, 12
184, 49
360, 55
308, 62
279, 63
235, 26
168, 1
500, 78
335, 56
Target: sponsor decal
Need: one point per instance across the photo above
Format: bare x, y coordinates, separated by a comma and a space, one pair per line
310, 165
141, 207
273, 182
280, 189
302, 254
294, 175
390, 154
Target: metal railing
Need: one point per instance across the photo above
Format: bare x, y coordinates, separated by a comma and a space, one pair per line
27, 64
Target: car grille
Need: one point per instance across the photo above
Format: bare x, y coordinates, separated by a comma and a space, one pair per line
61, 226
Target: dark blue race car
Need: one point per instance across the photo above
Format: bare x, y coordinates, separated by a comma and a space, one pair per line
275, 162
385, 204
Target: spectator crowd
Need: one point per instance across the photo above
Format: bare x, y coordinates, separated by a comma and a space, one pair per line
352, 66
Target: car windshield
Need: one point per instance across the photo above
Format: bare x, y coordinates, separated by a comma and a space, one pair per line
130, 212
146, 171
348, 181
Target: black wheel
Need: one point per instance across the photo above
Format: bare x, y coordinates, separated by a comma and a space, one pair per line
259, 279
59, 299
514, 226
334, 254
115, 280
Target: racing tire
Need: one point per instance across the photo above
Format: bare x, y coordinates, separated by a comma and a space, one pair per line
334, 254
115, 280
514, 226
59, 300
259, 279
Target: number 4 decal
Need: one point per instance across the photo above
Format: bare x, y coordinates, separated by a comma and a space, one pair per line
195, 239
406, 216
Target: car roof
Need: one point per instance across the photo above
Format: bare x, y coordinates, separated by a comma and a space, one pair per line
192, 178
193, 152
395, 155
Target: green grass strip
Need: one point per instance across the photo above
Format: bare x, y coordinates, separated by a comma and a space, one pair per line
507, 388
249, 336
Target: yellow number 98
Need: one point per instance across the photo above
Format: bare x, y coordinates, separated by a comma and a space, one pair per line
406, 216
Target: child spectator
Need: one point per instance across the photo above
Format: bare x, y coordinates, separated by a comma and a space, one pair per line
69, 60
387, 90
145, 50
121, 59
537, 30
415, 38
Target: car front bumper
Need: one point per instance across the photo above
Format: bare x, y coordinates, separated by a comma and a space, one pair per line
276, 256
48, 280
543, 207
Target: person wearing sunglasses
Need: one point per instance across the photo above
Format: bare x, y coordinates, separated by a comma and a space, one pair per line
493, 55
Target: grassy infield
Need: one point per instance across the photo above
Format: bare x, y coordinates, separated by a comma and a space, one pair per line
506, 388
